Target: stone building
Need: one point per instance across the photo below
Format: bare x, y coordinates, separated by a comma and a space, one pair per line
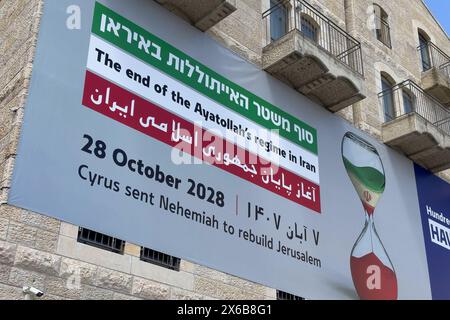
367, 61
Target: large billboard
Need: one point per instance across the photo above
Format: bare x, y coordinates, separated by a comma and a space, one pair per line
140, 126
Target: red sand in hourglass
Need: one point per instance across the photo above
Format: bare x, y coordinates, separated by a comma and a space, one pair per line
361, 273
369, 208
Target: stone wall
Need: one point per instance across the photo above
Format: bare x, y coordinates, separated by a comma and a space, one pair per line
43, 252
401, 62
247, 17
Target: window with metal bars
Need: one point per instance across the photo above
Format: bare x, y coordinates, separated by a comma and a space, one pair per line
425, 51
388, 97
281, 295
382, 28
160, 259
100, 240
278, 20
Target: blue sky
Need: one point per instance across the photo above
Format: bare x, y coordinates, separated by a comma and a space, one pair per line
441, 10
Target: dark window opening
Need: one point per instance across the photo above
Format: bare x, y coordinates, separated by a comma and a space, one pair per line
408, 102
309, 28
278, 20
100, 240
424, 52
160, 259
382, 28
388, 99
281, 295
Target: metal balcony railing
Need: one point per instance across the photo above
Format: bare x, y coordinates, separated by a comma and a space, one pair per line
433, 57
407, 97
299, 15
445, 70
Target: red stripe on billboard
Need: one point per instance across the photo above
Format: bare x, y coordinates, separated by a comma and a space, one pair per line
125, 107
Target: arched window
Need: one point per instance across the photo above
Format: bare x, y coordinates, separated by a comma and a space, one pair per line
424, 47
388, 96
278, 19
382, 29
309, 27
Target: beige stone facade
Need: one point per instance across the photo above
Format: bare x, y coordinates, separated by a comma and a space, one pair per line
44, 252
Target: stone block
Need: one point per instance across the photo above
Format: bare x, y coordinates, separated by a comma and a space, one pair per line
68, 230
10, 143
150, 271
7, 253
150, 290
46, 223
21, 234
74, 268
210, 273
4, 194
69, 247
252, 288
4, 273
187, 266
94, 293
179, 294
132, 249
6, 119
271, 294
39, 261
118, 281
60, 287
10, 212
21, 277
4, 223
52, 297
38, 221
8, 167
46, 241
10, 293
219, 290
121, 296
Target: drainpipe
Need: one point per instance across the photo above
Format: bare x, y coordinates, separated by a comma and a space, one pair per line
349, 8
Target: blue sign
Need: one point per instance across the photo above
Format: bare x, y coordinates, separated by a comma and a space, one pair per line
434, 201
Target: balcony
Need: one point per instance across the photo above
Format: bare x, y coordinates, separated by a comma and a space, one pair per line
201, 13
436, 72
417, 125
310, 53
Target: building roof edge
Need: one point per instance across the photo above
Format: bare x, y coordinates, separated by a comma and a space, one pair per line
435, 19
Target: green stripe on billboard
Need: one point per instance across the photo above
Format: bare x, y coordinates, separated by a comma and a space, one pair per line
143, 45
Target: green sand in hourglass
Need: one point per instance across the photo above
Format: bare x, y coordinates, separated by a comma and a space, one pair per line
372, 271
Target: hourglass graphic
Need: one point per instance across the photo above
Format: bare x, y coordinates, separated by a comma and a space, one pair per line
372, 271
